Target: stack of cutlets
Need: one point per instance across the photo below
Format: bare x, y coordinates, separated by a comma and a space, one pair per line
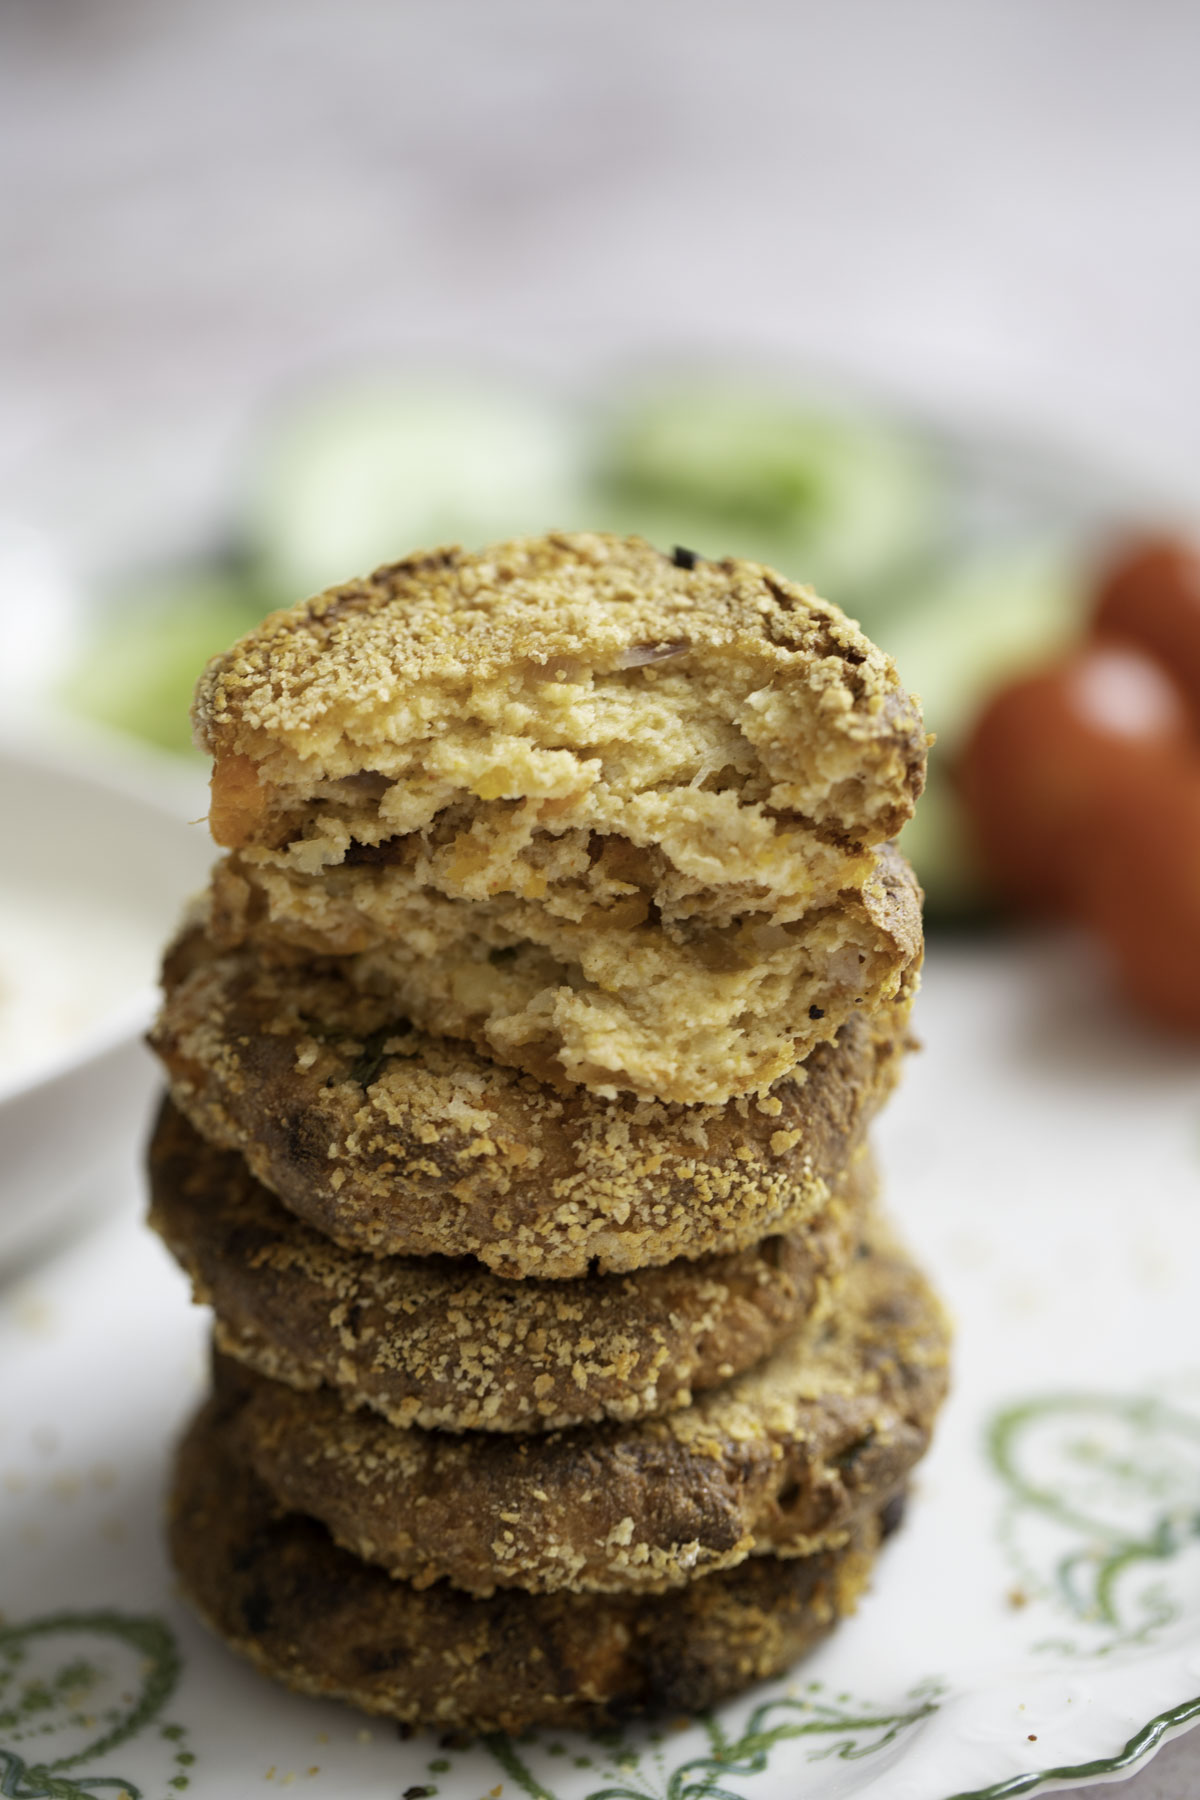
521, 1058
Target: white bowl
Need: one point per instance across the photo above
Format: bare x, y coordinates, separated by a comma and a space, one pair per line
93, 877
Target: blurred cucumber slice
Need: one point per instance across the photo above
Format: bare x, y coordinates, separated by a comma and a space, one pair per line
987, 617
936, 843
361, 474
984, 620
140, 667
834, 499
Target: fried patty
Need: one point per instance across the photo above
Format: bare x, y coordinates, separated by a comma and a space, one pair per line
276, 1587
684, 1015
389, 1139
449, 1345
614, 820
785, 1458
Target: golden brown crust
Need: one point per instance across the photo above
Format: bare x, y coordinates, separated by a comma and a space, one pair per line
448, 1345
784, 1459
280, 1592
387, 1139
329, 687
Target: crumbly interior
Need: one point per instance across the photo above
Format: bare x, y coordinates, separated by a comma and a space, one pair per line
617, 999
782, 1459
610, 819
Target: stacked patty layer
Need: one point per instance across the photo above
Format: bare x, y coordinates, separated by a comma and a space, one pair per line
521, 1059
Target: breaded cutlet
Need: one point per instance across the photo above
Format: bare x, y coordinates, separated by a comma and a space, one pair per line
390, 1139
446, 1344
786, 1458
615, 820
275, 1586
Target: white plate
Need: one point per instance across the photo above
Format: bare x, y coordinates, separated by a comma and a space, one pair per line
98, 863
1037, 1620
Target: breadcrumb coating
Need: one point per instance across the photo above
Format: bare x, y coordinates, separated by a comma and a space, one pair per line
521, 1056
611, 819
785, 1459
387, 1139
278, 1590
448, 1345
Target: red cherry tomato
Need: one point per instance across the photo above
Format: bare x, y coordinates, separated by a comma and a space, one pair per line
1150, 594
1050, 755
1141, 893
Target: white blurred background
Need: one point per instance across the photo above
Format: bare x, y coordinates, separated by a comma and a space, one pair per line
988, 210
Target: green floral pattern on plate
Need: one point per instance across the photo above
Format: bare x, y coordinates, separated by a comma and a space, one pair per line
1104, 1490
1099, 1490
74, 1687
629, 1769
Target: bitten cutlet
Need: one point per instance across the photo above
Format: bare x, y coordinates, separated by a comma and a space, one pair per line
389, 1139
615, 820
